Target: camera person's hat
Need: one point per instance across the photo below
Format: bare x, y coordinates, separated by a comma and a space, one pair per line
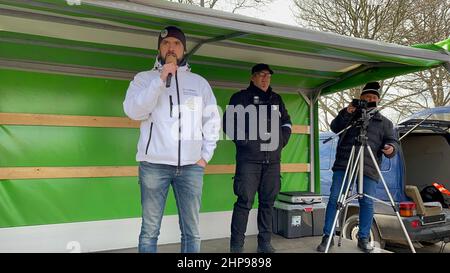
371, 88
174, 32
261, 67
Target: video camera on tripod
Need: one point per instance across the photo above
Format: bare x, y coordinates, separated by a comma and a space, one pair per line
363, 104
364, 112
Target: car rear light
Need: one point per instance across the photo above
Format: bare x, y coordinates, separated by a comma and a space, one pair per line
407, 209
415, 224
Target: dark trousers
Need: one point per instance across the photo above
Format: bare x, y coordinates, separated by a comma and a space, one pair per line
249, 179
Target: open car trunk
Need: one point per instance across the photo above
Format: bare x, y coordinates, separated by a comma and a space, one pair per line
427, 158
425, 140
426, 152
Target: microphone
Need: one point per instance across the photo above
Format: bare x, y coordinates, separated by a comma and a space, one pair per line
170, 59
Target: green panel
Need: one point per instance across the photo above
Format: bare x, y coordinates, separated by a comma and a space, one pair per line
58, 51
48, 201
85, 146
94, 58
297, 150
225, 153
217, 193
51, 201
297, 108
28, 146
63, 94
295, 182
42, 93
223, 97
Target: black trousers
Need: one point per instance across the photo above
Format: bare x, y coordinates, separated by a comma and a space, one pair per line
249, 179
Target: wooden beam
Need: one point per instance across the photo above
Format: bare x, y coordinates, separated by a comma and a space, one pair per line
300, 129
295, 168
66, 172
87, 121
66, 120
112, 171
220, 169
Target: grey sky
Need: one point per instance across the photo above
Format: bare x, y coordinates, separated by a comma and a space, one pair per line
279, 11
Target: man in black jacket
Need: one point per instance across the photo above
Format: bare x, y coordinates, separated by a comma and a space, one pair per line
257, 121
382, 140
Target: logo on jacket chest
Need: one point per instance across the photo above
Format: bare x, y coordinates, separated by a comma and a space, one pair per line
190, 92
192, 99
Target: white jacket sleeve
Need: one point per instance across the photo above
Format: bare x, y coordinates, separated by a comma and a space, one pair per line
142, 96
211, 123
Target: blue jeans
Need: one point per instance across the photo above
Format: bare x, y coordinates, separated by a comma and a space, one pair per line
155, 180
365, 204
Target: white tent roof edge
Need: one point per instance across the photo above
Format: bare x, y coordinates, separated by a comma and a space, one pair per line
235, 22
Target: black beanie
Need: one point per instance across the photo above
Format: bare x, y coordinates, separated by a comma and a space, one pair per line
371, 88
174, 32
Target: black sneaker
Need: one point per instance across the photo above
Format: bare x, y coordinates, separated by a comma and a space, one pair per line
265, 248
236, 249
323, 244
365, 245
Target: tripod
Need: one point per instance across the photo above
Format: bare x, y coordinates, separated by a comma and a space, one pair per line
356, 165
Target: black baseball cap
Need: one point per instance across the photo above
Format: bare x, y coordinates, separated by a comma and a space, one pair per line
371, 88
261, 67
172, 31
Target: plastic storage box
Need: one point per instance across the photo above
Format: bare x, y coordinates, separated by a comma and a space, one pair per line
298, 220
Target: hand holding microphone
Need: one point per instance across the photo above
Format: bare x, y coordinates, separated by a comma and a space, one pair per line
170, 68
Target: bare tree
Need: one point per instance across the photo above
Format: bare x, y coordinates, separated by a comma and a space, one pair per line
404, 22
429, 23
226, 5
375, 20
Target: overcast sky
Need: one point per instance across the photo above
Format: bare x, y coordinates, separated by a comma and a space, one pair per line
279, 11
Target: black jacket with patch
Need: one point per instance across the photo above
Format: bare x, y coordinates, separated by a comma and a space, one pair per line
249, 146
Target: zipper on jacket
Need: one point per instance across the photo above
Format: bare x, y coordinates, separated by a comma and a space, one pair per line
171, 105
149, 138
179, 125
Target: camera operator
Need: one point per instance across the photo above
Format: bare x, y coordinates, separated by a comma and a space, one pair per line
381, 139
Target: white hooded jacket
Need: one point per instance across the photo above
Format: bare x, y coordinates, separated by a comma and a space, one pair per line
179, 126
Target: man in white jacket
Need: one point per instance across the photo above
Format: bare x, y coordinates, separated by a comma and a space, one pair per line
179, 129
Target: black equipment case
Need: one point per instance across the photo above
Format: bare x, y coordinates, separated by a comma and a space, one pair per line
300, 197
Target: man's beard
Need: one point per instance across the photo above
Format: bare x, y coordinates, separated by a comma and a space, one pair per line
163, 60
